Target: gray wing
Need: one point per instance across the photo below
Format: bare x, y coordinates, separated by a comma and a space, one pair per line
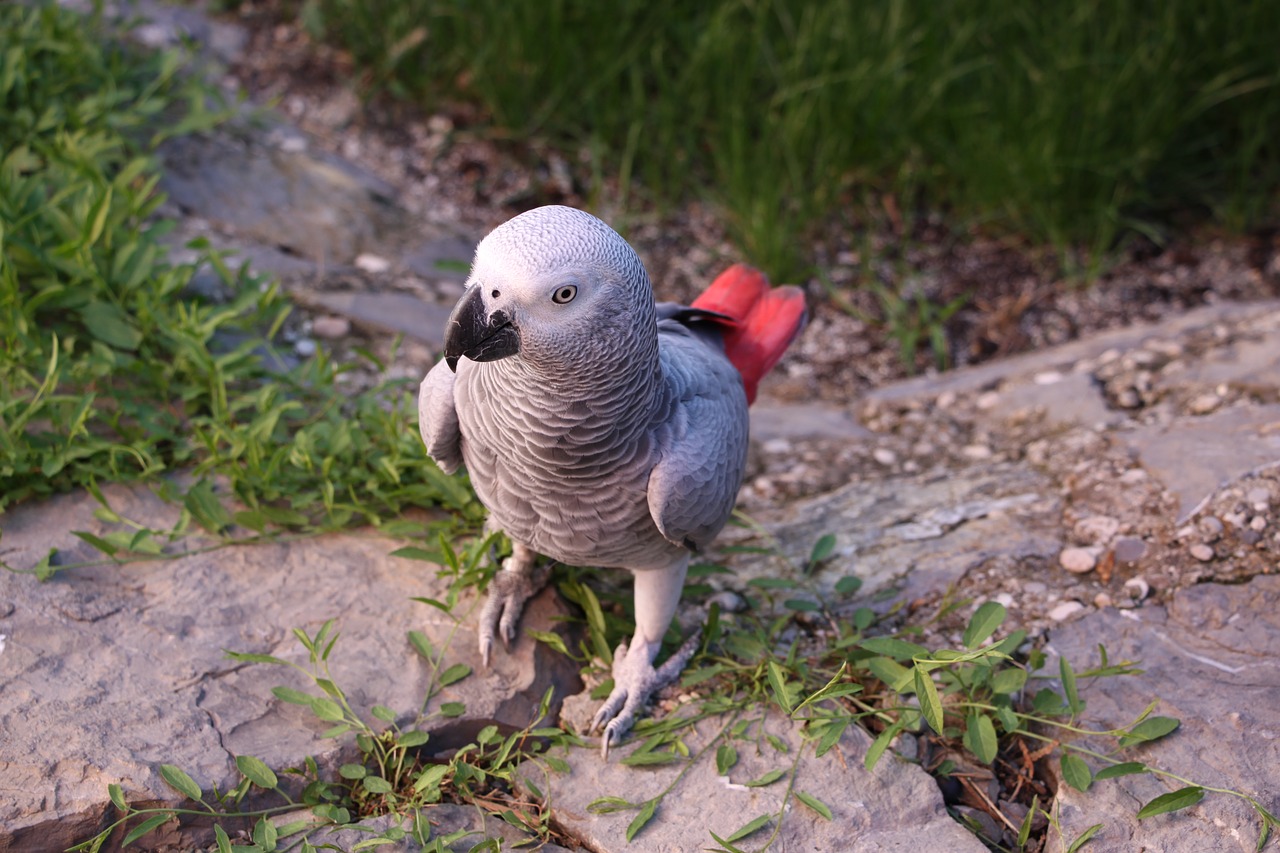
438, 419
702, 443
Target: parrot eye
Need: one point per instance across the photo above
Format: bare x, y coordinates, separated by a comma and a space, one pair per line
564, 293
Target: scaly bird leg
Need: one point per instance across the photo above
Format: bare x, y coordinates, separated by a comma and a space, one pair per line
516, 582
634, 678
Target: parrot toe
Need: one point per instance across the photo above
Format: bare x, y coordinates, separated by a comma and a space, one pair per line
634, 681
511, 588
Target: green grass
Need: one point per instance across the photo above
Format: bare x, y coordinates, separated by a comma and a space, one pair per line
111, 369
1068, 123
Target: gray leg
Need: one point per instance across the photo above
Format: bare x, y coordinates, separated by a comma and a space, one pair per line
515, 583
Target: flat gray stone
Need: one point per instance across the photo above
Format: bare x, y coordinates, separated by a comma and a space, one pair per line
894, 807
1194, 457
107, 672
1213, 660
918, 534
446, 820
805, 421
284, 195
397, 313
970, 380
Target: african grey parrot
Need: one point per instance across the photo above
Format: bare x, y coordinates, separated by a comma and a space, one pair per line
598, 427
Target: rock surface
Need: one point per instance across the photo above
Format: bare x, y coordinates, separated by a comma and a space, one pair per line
108, 672
894, 807
1213, 659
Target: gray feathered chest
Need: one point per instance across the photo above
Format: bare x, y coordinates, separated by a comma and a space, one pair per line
568, 470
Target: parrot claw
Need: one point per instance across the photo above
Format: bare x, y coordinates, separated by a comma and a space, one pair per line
512, 587
634, 681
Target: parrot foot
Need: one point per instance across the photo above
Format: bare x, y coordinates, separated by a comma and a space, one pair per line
517, 582
634, 681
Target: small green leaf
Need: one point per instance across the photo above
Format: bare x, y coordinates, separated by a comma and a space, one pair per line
801, 605
353, 771
767, 779
376, 785
748, 828
550, 638
107, 322
896, 676
778, 683
205, 507
1172, 801
1069, 686
983, 624
326, 709
412, 739
894, 648
1024, 829
117, 796
726, 757
454, 674
830, 736
1047, 701
413, 553
647, 758
180, 781
1084, 838
288, 694
431, 778
980, 737
145, 827
1075, 772
1152, 728
930, 703
814, 803
264, 834
452, 709
1008, 681
822, 549
421, 644
880, 744
220, 836
848, 585
637, 823
256, 771
382, 712
1126, 768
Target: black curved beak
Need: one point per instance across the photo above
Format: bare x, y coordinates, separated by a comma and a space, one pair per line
478, 336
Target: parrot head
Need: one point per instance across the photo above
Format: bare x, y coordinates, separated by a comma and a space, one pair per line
552, 286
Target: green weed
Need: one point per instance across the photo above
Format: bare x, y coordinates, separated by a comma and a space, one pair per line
1071, 124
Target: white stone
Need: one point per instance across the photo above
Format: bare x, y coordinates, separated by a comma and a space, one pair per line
977, 452
1202, 552
1065, 611
1048, 377
1258, 523
1096, 529
331, 327
372, 263
884, 456
305, 347
1078, 561
1137, 588
989, 400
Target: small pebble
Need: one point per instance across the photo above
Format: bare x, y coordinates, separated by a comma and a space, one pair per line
884, 456
1003, 598
1129, 549
1102, 600
1202, 552
1258, 523
1065, 611
977, 451
1048, 377
729, 601
331, 327
372, 263
1078, 561
989, 400
1096, 529
1035, 588
1133, 475
1260, 498
946, 400
1137, 588
1235, 519
305, 347
1211, 527
776, 446
1204, 404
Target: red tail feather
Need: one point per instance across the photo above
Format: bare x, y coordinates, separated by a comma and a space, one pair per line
766, 320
